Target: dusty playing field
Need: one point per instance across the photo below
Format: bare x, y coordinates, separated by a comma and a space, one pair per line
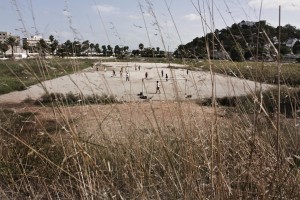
179, 84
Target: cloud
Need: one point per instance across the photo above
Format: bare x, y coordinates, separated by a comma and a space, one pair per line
66, 13
108, 9
134, 17
192, 17
274, 4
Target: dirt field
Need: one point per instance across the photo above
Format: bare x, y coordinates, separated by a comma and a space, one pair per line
97, 122
99, 79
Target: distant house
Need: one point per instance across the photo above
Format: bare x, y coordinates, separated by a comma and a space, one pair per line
33, 43
3, 38
246, 23
5, 35
291, 42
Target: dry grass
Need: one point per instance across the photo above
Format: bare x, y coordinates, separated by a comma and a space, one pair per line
143, 151
153, 150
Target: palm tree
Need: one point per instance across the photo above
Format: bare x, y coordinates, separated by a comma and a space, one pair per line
104, 50
53, 46
43, 47
97, 48
117, 50
109, 50
68, 47
85, 45
92, 47
51, 38
141, 46
26, 47
11, 41
157, 49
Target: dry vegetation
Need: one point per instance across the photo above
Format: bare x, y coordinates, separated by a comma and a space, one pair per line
167, 150
241, 148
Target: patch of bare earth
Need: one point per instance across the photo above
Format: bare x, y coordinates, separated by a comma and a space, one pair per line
115, 121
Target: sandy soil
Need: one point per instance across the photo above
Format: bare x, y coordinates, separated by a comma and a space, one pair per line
115, 121
181, 84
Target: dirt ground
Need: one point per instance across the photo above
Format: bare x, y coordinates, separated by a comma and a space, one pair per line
99, 79
97, 122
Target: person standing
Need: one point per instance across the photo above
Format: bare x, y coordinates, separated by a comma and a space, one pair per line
157, 87
139, 67
162, 73
127, 76
167, 77
146, 75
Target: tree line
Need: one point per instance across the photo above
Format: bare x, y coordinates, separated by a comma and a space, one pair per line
77, 48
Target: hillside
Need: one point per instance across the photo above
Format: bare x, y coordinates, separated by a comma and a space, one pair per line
243, 41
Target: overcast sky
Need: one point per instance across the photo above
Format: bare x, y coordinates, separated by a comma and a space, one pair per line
159, 23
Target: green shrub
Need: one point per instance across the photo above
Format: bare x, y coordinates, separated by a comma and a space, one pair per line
72, 99
289, 101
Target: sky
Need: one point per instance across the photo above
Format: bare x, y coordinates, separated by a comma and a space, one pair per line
155, 23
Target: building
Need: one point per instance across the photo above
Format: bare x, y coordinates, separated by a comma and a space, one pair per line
246, 23
3, 38
5, 35
33, 43
291, 42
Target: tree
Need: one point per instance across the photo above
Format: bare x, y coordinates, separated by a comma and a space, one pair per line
141, 46
97, 48
296, 48
283, 49
4, 47
43, 47
61, 50
92, 47
68, 47
11, 41
53, 46
51, 38
181, 52
85, 46
109, 50
117, 50
126, 48
26, 47
104, 49
236, 53
135, 52
148, 52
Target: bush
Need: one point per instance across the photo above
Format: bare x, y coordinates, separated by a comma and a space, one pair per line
72, 99
289, 101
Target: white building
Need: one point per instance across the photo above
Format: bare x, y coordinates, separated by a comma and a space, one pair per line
33, 42
291, 42
5, 35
